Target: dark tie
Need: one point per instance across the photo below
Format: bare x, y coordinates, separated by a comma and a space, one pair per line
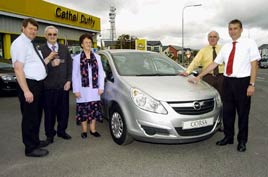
53, 48
42, 60
229, 69
214, 54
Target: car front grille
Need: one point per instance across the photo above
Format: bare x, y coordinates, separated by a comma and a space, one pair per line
193, 107
194, 132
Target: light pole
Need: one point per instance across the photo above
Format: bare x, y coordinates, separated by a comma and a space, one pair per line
182, 29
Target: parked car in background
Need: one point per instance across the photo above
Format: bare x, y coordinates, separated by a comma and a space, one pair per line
263, 63
7, 79
145, 99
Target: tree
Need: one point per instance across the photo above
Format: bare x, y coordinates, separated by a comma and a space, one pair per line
125, 41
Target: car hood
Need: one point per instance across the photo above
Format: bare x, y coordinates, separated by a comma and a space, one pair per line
7, 71
171, 88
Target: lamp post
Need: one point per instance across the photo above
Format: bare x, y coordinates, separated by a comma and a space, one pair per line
182, 29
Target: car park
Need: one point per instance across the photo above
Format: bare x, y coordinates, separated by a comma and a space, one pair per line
146, 99
7, 78
263, 63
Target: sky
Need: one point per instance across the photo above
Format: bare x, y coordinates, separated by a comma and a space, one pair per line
161, 20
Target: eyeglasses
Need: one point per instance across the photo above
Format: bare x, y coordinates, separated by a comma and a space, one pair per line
213, 36
52, 34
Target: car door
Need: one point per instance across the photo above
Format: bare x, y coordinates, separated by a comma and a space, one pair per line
108, 86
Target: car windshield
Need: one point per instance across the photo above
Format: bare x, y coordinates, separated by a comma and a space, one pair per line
145, 64
5, 65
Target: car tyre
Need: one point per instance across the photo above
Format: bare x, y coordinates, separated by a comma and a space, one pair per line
118, 127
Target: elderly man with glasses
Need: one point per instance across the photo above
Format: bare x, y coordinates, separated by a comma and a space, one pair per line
204, 58
56, 86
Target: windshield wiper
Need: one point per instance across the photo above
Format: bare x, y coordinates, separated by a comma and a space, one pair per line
158, 74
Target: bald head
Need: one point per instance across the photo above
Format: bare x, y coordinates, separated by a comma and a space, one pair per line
213, 38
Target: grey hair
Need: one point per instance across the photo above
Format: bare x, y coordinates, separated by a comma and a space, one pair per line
50, 27
214, 32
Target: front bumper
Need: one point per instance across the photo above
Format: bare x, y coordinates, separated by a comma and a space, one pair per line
157, 128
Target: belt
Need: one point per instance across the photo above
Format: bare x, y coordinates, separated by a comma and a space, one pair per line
33, 81
235, 78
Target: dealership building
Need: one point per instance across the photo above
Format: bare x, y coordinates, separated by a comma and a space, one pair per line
71, 23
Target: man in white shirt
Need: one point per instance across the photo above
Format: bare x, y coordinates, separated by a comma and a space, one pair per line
240, 57
30, 70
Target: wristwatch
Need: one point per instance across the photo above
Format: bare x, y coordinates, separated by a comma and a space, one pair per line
252, 84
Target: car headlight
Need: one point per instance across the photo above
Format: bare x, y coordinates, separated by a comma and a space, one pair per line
218, 100
145, 102
7, 77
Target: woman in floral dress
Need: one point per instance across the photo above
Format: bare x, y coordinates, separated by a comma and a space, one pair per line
88, 85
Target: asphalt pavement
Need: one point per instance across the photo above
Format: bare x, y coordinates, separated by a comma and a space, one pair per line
101, 157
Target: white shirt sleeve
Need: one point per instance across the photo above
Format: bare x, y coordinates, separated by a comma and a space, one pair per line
76, 78
220, 58
18, 52
254, 52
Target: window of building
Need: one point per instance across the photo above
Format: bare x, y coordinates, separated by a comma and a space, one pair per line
156, 49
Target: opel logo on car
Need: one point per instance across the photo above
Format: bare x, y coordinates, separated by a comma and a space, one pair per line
197, 105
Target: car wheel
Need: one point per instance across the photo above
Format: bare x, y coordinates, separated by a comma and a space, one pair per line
118, 127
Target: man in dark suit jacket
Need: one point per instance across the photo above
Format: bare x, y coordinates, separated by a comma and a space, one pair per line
56, 86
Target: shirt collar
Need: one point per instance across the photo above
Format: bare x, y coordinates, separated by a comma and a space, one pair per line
216, 46
26, 38
238, 40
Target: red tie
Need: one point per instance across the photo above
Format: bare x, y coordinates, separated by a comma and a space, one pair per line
229, 69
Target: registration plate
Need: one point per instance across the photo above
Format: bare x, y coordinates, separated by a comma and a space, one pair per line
197, 123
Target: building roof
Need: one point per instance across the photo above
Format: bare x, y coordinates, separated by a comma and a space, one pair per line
164, 47
154, 43
175, 47
109, 43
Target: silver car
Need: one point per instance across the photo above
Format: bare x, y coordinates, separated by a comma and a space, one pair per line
145, 99
263, 63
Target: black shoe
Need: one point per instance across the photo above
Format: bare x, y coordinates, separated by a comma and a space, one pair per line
220, 129
43, 144
65, 136
96, 134
78, 123
84, 135
225, 141
241, 147
37, 153
50, 140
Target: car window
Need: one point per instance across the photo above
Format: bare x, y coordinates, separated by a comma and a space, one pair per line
106, 67
142, 64
164, 66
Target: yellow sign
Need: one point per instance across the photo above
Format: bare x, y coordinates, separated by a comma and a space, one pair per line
51, 12
141, 44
